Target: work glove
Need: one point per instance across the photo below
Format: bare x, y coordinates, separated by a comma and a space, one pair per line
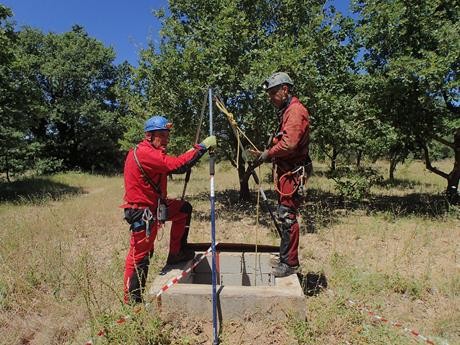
264, 157
258, 157
209, 142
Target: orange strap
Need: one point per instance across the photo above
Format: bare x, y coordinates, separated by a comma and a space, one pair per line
287, 174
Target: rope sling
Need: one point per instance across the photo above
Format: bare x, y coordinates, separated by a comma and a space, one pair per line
300, 182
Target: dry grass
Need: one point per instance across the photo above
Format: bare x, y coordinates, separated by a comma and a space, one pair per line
62, 256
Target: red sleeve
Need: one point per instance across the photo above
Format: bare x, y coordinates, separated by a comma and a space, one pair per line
295, 124
156, 161
156, 164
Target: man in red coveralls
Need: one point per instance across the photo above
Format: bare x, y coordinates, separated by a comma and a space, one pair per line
292, 165
147, 206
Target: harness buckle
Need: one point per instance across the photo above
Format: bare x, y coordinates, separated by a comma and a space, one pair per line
147, 216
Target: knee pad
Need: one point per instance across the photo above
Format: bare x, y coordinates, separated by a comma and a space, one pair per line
186, 208
286, 216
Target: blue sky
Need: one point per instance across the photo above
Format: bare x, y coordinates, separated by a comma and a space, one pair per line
124, 25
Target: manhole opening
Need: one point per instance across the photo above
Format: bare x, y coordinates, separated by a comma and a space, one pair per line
235, 269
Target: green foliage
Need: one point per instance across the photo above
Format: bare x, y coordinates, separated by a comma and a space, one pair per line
232, 46
70, 115
140, 328
439, 151
355, 184
339, 118
412, 288
45, 166
381, 86
411, 59
13, 127
134, 132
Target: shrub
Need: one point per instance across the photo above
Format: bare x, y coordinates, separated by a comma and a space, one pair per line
354, 184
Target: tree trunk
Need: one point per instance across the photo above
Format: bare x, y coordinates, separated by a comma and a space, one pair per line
454, 176
359, 155
7, 168
395, 157
393, 163
335, 153
244, 182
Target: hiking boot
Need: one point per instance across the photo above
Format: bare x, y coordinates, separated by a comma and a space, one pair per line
283, 270
185, 254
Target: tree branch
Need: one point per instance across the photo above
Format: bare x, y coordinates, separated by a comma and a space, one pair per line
443, 141
429, 166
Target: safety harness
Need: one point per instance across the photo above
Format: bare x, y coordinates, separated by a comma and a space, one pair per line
301, 173
161, 213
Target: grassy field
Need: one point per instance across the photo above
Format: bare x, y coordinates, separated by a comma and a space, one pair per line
63, 244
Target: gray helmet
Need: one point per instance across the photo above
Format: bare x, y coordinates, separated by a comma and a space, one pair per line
278, 78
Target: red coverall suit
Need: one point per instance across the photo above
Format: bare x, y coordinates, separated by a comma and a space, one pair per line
139, 195
290, 150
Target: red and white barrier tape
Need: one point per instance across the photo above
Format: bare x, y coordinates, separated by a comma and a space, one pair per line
396, 324
173, 281
176, 279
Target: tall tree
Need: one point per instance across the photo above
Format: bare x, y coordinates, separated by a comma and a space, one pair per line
15, 151
338, 117
413, 58
73, 75
232, 45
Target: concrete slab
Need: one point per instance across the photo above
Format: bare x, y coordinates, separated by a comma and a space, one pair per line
243, 291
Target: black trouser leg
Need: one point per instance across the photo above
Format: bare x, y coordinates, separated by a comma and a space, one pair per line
138, 279
289, 236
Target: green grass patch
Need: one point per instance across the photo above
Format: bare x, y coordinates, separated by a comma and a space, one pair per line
358, 281
130, 327
37, 190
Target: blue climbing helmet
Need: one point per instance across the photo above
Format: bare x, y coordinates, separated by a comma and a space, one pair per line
157, 123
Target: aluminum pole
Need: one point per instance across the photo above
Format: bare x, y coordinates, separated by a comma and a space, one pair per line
213, 228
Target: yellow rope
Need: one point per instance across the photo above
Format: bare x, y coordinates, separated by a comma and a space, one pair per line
238, 131
233, 122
